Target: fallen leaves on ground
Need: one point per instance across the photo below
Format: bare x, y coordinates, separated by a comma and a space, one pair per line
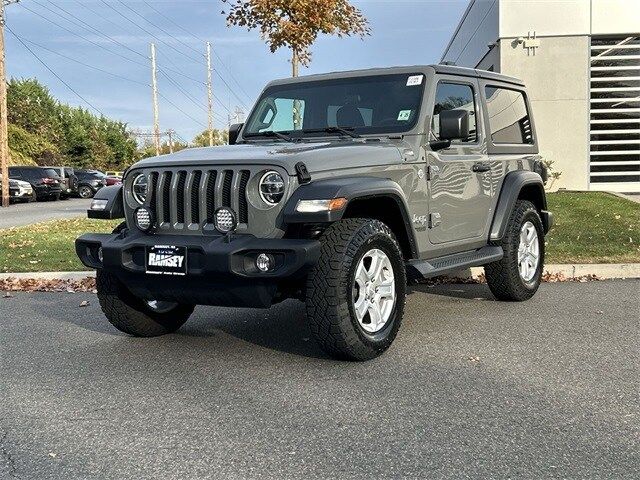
546, 277
89, 284
37, 285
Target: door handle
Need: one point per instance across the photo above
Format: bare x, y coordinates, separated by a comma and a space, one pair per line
481, 167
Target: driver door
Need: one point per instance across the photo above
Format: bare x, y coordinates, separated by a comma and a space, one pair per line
459, 176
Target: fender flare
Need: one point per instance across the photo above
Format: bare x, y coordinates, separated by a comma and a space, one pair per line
513, 184
115, 205
351, 188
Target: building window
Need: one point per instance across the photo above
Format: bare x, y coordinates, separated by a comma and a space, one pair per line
508, 116
615, 113
454, 96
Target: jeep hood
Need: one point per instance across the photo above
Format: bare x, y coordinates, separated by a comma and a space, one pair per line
317, 156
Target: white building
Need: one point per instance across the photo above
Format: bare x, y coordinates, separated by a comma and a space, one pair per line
580, 60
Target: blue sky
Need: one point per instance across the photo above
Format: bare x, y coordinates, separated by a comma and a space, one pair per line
404, 32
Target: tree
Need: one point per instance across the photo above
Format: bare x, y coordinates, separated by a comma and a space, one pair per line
296, 24
220, 137
46, 132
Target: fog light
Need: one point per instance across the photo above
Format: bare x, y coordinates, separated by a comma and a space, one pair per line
265, 262
100, 256
144, 219
225, 220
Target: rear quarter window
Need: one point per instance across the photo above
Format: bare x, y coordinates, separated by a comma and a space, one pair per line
509, 119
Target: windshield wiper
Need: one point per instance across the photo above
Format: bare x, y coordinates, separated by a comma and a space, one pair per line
281, 135
344, 131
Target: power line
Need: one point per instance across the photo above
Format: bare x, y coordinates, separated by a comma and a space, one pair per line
85, 64
184, 92
162, 30
83, 37
180, 110
144, 29
170, 20
86, 26
189, 96
52, 72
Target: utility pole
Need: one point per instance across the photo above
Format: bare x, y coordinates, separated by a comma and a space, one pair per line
154, 87
4, 136
210, 94
170, 134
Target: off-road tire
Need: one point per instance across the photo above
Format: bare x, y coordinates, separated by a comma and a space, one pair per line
503, 276
131, 315
329, 289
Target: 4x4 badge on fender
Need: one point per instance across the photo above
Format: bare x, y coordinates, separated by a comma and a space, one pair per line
420, 219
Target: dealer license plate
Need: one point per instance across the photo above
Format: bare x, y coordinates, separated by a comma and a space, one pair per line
167, 260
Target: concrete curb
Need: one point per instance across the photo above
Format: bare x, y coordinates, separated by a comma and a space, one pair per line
600, 270
603, 271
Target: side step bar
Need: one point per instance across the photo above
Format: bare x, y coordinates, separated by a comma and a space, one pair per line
457, 261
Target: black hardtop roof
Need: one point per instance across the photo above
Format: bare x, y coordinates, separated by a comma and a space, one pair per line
443, 69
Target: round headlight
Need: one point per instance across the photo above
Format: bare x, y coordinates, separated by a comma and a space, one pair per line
225, 220
271, 187
139, 188
144, 219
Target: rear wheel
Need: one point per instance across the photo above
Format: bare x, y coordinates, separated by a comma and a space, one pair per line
356, 292
518, 274
135, 316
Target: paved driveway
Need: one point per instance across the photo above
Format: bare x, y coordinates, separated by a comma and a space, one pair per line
472, 388
27, 213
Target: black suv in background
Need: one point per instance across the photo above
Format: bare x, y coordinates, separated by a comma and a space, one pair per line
46, 182
89, 182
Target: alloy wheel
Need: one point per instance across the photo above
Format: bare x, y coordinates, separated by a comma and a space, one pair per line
528, 252
374, 291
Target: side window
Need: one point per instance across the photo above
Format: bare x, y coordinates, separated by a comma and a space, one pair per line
454, 96
508, 116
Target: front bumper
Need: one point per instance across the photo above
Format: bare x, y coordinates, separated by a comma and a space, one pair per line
220, 270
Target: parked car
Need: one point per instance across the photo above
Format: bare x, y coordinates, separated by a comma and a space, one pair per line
44, 181
19, 191
69, 181
112, 180
89, 182
385, 176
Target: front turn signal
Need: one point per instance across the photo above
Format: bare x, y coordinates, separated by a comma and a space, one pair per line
315, 206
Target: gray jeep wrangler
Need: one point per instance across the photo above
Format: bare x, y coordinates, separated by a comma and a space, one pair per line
337, 191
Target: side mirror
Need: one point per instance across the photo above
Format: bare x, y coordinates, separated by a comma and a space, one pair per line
454, 124
234, 132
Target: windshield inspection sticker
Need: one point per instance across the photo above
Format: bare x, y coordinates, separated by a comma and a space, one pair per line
404, 115
414, 80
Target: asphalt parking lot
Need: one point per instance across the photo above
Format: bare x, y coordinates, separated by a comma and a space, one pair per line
27, 213
472, 388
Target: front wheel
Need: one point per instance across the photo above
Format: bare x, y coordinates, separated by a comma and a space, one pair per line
137, 317
85, 192
518, 274
356, 292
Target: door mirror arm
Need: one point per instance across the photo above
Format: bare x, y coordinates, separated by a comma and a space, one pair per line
439, 144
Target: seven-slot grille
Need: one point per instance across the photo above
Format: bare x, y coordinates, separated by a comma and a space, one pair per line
186, 199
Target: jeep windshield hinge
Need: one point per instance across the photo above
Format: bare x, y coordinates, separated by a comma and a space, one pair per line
304, 176
432, 172
434, 220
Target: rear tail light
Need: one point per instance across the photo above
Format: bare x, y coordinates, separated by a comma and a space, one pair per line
50, 181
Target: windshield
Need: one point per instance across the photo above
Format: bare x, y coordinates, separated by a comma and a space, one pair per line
379, 104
